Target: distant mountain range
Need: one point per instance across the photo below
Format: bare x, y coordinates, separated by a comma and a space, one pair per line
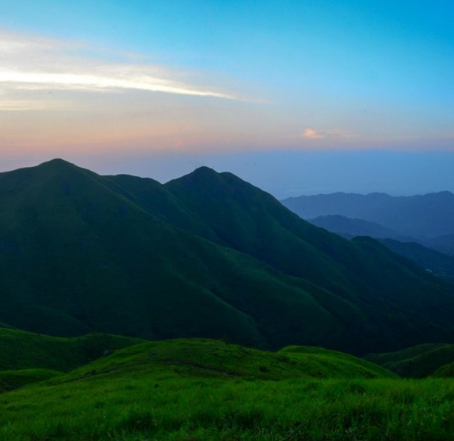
350, 228
427, 218
206, 255
380, 207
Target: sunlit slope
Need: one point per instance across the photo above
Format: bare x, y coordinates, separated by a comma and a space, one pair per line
195, 389
215, 358
208, 255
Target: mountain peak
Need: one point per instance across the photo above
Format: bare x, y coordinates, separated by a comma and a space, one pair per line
56, 163
200, 176
204, 171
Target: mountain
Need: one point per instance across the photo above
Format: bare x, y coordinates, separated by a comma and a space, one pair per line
443, 244
440, 264
420, 217
206, 255
350, 228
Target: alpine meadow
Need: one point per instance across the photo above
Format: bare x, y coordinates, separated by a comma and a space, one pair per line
226, 221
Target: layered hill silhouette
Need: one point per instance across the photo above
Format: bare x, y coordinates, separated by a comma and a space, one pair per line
206, 255
350, 228
427, 218
438, 263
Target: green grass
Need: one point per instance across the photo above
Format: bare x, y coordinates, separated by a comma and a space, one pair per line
201, 390
418, 361
26, 350
214, 358
14, 379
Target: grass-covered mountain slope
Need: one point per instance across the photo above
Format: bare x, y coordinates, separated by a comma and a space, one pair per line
30, 358
440, 264
216, 358
207, 255
15, 379
418, 361
20, 350
209, 390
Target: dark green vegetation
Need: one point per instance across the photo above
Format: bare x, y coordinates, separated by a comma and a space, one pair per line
418, 361
200, 390
20, 350
14, 379
206, 255
440, 264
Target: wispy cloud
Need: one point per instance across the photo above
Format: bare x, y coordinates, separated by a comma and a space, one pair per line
18, 105
312, 134
34, 63
316, 134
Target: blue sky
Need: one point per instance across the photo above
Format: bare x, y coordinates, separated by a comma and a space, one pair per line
114, 82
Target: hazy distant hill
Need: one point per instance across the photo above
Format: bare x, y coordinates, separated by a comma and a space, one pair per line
350, 228
444, 244
204, 255
436, 262
420, 217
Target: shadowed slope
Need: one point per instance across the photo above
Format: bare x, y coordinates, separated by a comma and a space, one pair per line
206, 255
362, 272
418, 361
80, 256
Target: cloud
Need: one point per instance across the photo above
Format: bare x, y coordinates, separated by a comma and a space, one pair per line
85, 81
312, 134
18, 105
34, 63
315, 134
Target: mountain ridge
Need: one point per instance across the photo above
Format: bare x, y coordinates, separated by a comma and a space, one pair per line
205, 255
420, 216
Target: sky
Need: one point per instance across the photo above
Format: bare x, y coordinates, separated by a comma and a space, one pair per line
298, 97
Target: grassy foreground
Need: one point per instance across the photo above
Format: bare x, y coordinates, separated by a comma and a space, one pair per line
191, 409
200, 390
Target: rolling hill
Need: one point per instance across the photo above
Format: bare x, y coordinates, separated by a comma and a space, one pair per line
20, 350
206, 255
438, 263
418, 361
203, 389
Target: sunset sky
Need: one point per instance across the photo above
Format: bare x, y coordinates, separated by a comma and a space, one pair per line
294, 96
